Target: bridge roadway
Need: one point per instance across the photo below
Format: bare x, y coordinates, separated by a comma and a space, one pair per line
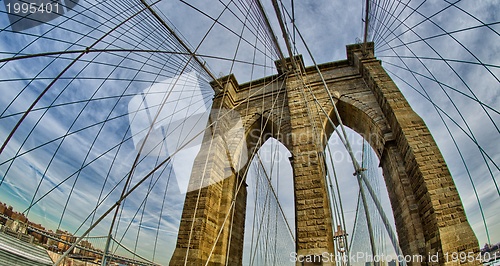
16, 249
112, 257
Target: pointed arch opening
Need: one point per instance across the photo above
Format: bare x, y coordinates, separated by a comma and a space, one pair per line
270, 216
356, 220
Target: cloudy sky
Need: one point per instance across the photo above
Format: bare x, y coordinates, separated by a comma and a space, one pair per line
74, 150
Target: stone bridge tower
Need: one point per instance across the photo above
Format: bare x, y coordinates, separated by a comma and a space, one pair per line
427, 209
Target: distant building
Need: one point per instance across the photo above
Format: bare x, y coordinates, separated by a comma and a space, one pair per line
19, 217
38, 237
67, 238
7, 211
490, 248
16, 226
491, 253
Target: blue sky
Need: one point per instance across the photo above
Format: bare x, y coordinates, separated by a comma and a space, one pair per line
95, 154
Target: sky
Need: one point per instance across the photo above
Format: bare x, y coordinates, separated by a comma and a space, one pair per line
64, 140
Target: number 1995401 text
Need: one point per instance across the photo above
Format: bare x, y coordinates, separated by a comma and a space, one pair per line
31, 8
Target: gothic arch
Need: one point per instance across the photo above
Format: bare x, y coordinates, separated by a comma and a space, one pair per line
361, 113
363, 118
428, 212
259, 128
426, 206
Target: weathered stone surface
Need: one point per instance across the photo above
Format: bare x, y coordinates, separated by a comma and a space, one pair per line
427, 209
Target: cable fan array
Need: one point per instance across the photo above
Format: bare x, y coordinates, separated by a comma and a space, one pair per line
104, 105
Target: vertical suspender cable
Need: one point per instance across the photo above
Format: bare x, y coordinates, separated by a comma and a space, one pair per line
283, 30
365, 204
367, 12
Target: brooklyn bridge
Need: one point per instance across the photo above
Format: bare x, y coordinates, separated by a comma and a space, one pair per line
250, 132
